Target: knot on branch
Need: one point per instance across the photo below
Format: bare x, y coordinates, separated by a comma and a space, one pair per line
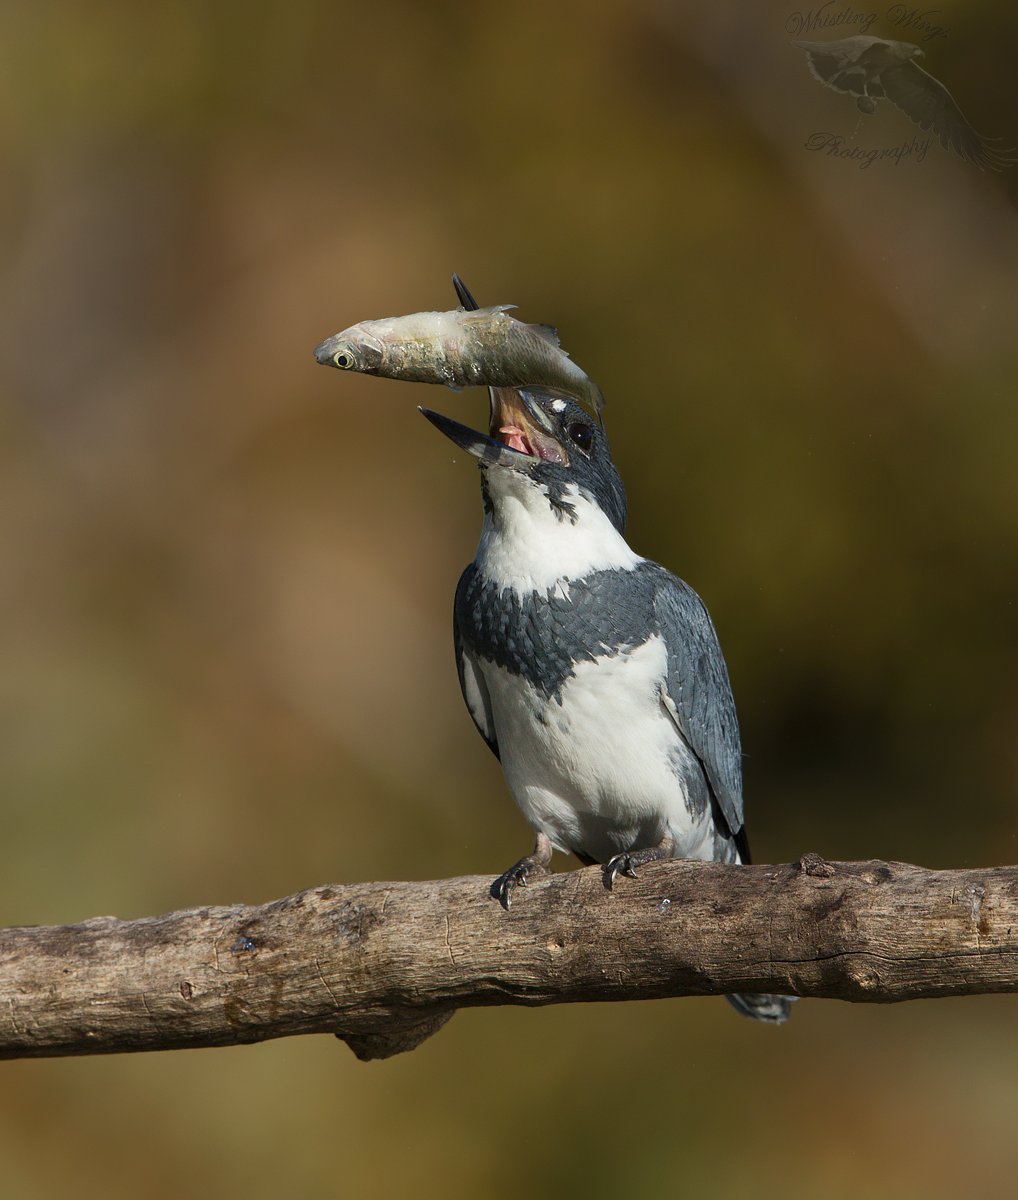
813, 865
395, 1035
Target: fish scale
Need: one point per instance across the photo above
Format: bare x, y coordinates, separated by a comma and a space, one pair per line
482, 347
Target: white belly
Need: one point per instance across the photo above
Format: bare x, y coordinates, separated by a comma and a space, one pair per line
595, 773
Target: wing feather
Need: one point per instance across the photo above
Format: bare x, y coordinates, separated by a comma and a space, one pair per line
699, 694
472, 685
926, 101
835, 65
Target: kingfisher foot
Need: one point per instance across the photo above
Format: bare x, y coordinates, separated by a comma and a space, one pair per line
627, 862
521, 873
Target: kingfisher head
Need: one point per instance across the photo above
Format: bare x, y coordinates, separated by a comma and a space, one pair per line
542, 450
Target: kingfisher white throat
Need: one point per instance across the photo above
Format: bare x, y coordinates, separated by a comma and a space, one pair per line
594, 674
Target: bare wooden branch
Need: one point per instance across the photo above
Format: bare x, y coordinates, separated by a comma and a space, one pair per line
384, 965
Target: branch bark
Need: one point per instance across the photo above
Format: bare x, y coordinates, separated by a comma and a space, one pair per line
384, 965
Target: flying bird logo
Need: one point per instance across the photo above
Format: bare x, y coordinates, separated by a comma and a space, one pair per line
872, 69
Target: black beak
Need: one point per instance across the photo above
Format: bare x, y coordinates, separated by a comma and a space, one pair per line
480, 445
520, 436
507, 405
463, 293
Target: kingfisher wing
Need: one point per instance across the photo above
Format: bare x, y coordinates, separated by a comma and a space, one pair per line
699, 695
472, 685
927, 101
836, 64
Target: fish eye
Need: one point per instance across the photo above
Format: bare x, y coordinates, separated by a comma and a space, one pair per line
343, 359
580, 434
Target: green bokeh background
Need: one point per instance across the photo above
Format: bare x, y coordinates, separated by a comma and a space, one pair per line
226, 574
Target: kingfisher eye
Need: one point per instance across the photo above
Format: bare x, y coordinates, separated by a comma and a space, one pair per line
343, 359
580, 435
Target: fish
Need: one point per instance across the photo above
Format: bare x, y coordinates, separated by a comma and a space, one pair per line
466, 347
501, 400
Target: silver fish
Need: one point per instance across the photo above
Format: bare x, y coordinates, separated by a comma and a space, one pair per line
481, 347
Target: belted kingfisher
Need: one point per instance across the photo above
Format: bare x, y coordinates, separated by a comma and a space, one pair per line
593, 674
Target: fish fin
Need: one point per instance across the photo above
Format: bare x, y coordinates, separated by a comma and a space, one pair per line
464, 294
553, 393
493, 310
549, 333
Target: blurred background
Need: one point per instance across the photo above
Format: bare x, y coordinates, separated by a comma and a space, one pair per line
227, 574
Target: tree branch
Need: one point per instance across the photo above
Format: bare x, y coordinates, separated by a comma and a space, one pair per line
384, 965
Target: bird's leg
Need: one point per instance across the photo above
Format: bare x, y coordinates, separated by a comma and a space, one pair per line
626, 863
519, 875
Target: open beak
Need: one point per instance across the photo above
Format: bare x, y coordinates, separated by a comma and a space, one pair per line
518, 431
518, 435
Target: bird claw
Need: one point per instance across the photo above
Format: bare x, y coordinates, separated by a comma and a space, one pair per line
519, 873
517, 876
621, 864
504, 886
627, 862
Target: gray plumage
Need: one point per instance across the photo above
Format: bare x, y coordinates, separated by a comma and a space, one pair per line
699, 687
544, 638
